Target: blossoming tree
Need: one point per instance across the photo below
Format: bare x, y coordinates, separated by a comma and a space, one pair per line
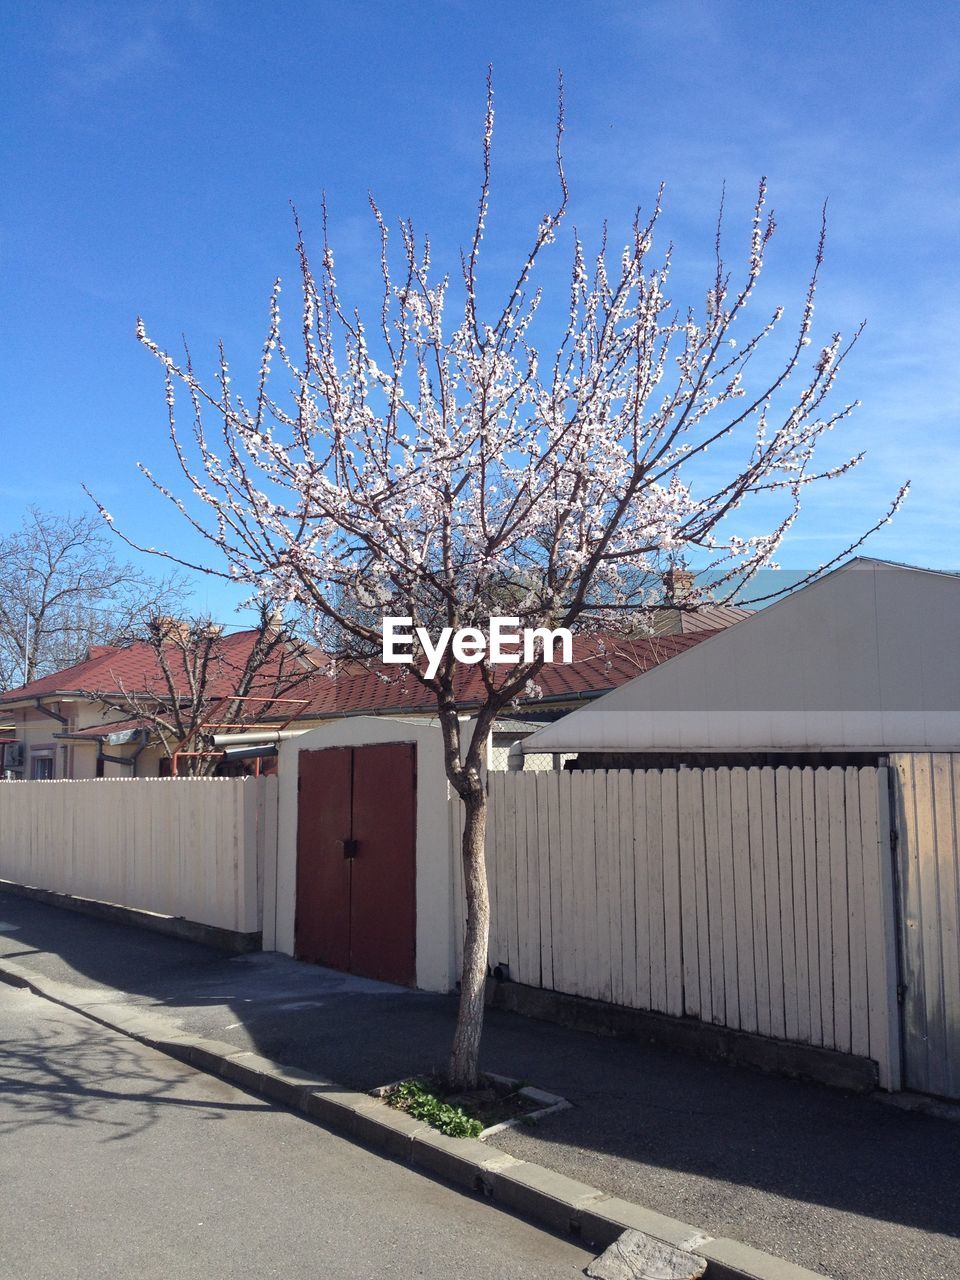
418, 464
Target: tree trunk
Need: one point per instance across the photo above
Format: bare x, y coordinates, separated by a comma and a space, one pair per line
465, 1054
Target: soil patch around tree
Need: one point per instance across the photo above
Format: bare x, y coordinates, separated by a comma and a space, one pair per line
497, 1103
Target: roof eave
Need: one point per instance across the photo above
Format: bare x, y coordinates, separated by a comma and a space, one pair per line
29, 700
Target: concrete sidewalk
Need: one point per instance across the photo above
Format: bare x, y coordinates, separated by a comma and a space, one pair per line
834, 1182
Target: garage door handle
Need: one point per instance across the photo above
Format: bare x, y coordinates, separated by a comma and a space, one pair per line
349, 848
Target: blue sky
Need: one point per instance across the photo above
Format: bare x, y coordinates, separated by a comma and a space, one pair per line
151, 150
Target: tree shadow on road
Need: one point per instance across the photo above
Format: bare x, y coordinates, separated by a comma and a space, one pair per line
63, 1073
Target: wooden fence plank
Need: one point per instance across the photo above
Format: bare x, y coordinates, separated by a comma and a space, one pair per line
789, 883
728, 900
914, 1011
600, 916
881, 991
928, 823
499, 949
656, 901
704, 973
568, 954
774, 907
525, 943
614, 921
581, 883
950, 881
891, 1064
839, 902
493, 880
743, 889
671, 891
808, 819
825, 914
511, 876
494, 850
589, 899
540, 881
548, 821
688, 813
628, 890
946, 802
714, 899
856, 914
534, 880
798, 862
642, 893
490, 862
929, 819
758, 900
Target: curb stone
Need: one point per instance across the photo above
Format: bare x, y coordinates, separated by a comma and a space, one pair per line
636, 1256
538, 1193
550, 1104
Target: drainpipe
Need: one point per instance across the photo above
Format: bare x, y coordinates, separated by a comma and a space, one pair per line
46, 711
255, 751
254, 737
127, 760
137, 754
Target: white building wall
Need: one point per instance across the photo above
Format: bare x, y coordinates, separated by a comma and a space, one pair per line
77, 759
866, 659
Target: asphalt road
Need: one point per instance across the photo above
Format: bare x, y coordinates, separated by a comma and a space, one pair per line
118, 1161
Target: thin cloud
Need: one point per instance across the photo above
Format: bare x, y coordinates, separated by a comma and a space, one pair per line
97, 50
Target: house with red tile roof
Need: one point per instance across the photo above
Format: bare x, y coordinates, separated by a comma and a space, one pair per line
115, 713
599, 664
126, 710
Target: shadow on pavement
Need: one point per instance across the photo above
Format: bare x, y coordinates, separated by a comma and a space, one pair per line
62, 1075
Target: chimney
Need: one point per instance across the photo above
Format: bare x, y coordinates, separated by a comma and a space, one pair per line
678, 584
169, 630
99, 650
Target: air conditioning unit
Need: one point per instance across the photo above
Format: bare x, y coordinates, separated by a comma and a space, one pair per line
13, 755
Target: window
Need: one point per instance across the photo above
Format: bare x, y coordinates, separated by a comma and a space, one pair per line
41, 767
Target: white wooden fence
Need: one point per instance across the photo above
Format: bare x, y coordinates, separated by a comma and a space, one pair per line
758, 899
928, 822
181, 847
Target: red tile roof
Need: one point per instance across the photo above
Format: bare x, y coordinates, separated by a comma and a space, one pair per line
135, 669
599, 664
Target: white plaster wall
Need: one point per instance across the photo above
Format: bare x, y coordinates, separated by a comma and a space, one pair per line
36, 731
435, 959
76, 759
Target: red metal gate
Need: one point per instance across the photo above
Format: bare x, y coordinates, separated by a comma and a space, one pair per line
356, 860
